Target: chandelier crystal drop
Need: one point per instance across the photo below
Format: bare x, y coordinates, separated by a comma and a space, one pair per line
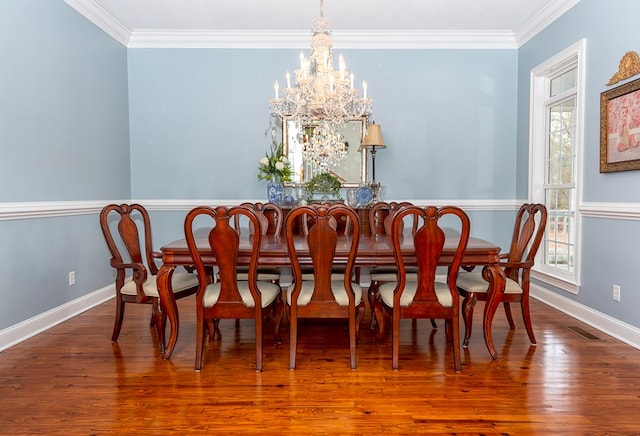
325, 146
318, 92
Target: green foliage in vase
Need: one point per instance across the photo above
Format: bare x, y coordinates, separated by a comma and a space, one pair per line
325, 184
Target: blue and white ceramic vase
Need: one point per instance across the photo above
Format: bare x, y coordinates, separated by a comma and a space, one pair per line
275, 189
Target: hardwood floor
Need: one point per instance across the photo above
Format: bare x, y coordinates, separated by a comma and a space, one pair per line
73, 380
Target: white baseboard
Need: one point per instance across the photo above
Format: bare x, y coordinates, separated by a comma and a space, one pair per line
606, 324
44, 321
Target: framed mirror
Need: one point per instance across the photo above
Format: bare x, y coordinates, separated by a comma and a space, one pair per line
351, 170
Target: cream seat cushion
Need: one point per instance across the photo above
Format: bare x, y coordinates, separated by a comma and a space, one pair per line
386, 293
179, 282
268, 291
337, 287
473, 282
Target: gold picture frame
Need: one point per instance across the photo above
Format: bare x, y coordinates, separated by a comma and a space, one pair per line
620, 128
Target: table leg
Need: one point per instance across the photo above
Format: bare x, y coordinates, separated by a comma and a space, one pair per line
168, 306
495, 275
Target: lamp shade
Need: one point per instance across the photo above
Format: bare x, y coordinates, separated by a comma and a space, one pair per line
373, 138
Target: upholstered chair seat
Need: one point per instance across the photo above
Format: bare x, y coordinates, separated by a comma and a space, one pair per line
443, 294
337, 288
268, 291
180, 281
474, 282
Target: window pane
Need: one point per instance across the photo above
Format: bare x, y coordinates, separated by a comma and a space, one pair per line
563, 83
566, 169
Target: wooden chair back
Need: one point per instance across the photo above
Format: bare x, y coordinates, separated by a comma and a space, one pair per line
429, 240
528, 232
269, 214
381, 217
341, 222
224, 298
322, 237
223, 239
129, 250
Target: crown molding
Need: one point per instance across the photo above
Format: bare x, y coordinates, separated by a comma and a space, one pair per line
542, 19
268, 39
102, 18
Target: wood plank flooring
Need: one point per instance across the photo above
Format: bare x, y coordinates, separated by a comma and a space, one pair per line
72, 380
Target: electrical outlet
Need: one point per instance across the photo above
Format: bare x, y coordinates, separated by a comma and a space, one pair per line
616, 293
72, 278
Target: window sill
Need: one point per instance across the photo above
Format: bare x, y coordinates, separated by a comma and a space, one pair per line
555, 281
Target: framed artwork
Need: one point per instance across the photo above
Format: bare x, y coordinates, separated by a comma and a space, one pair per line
620, 128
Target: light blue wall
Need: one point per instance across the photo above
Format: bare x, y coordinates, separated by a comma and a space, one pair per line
63, 106
609, 251
198, 116
34, 271
64, 136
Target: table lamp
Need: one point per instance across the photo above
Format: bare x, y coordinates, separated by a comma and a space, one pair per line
373, 140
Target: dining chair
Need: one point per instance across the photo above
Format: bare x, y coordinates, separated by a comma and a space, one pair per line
425, 297
528, 232
230, 298
343, 224
270, 216
323, 295
380, 222
127, 232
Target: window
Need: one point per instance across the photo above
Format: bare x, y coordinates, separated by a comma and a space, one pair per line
556, 159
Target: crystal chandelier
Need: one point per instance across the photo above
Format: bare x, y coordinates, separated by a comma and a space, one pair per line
321, 97
325, 146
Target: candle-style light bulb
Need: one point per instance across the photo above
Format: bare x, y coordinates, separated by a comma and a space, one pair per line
352, 77
276, 87
364, 88
288, 76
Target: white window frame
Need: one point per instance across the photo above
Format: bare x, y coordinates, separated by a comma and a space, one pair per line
573, 56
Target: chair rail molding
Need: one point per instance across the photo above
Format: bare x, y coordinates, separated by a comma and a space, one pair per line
612, 210
48, 209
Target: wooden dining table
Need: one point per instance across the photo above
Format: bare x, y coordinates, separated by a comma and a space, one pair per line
373, 250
